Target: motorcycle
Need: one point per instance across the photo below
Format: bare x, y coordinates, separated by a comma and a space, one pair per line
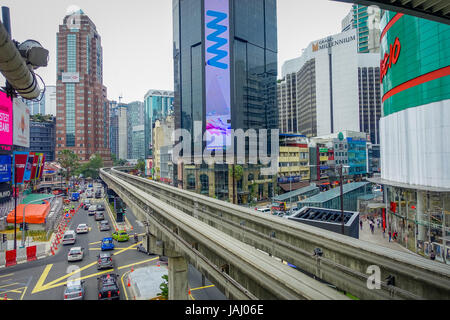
140, 248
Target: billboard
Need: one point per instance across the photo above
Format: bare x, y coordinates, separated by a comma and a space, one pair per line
70, 77
20, 163
34, 166
41, 169
5, 168
29, 167
217, 74
6, 127
21, 128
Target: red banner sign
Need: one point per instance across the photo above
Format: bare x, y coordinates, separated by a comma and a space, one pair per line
20, 163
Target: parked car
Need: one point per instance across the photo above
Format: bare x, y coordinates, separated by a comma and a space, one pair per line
69, 237
121, 236
74, 290
75, 254
264, 210
82, 228
104, 225
99, 216
108, 287
107, 244
104, 261
92, 209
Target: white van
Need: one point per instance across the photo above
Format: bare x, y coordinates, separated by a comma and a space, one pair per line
69, 237
264, 210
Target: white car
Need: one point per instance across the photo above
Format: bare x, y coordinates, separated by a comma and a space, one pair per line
75, 254
82, 228
264, 210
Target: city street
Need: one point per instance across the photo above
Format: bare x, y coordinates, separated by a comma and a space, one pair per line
45, 279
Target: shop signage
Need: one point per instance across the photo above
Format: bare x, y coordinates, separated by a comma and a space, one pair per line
390, 58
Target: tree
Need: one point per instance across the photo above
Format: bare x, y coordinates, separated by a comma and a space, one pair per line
140, 165
238, 174
164, 288
91, 169
69, 162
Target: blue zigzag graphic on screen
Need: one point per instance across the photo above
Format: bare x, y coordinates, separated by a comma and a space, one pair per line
215, 37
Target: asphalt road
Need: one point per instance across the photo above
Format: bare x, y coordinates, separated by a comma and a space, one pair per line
45, 279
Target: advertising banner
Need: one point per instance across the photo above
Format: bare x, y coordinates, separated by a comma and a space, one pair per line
217, 75
70, 77
21, 128
29, 167
20, 163
5, 192
41, 170
5, 168
38, 166
6, 127
34, 166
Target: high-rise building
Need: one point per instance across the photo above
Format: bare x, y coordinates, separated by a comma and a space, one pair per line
50, 100
415, 131
122, 120
42, 136
158, 104
136, 130
82, 122
366, 21
330, 88
223, 91
114, 128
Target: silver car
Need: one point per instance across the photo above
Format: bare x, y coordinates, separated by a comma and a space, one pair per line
104, 225
74, 290
75, 254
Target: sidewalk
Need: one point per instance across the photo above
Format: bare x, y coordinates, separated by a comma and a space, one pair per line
377, 237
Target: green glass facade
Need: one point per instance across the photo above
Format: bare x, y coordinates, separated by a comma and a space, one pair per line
424, 48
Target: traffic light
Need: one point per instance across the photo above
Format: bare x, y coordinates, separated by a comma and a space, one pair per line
26, 226
5, 237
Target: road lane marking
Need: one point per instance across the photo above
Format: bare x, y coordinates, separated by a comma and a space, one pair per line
137, 263
23, 294
7, 275
205, 287
127, 248
95, 242
11, 284
123, 286
40, 282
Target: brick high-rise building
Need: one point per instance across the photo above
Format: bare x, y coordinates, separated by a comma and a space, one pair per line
82, 120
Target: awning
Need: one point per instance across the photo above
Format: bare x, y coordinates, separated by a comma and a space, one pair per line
34, 213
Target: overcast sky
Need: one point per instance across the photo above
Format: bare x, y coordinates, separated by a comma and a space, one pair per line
137, 36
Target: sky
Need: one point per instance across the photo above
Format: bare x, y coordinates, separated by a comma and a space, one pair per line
137, 36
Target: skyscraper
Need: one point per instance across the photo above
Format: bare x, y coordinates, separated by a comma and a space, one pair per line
136, 132
225, 69
82, 123
331, 87
366, 21
158, 104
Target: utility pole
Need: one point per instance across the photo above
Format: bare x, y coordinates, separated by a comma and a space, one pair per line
342, 198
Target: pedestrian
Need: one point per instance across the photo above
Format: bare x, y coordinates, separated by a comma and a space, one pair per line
372, 227
432, 255
361, 224
389, 233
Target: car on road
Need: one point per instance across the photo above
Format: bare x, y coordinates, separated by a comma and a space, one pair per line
86, 204
92, 209
100, 207
82, 228
74, 290
69, 237
108, 287
121, 236
98, 194
75, 254
104, 261
263, 210
104, 225
99, 216
107, 244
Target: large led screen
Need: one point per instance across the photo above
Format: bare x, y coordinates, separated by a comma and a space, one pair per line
217, 74
6, 128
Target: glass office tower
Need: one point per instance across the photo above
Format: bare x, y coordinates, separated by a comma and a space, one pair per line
225, 77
